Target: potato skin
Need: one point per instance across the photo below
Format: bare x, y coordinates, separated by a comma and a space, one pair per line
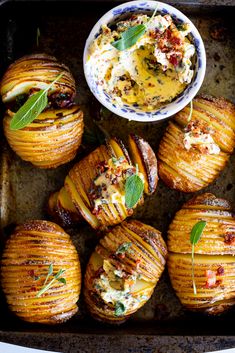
50, 140
214, 255
191, 170
143, 155
29, 251
145, 260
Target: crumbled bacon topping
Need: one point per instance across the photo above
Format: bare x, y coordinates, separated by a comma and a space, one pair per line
229, 239
211, 281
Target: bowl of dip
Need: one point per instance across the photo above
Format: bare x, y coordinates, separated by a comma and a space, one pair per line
144, 60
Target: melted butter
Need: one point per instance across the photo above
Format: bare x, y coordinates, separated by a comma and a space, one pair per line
114, 193
144, 87
151, 87
205, 142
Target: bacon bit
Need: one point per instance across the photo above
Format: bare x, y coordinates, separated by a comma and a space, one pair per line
174, 60
211, 279
220, 271
138, 263
31, 273
121, 256
33, 289
229, 239
99, 272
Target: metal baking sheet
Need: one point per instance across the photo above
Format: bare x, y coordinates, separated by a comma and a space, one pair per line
64, 27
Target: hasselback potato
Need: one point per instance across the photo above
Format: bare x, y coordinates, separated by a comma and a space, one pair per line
123, 271
34, 72
192, 153
214, 262
40, 254
54, 134
95, 186
50, 140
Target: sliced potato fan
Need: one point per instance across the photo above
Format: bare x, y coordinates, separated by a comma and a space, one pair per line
193, 153
50, 140
40, 273
96, 184
123, 271
214, 262
34, 72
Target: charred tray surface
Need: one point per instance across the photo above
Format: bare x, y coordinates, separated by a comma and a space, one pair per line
64, 27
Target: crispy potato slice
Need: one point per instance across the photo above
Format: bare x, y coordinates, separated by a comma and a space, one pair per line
131, 255
214, 262
32, 248
192, 169
143, 155
50, 140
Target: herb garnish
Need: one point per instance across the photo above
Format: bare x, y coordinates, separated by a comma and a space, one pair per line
134, 188
123, 248
195, 236
31, 108
38, 36
119, 309
190, 112
131, 35
57, 277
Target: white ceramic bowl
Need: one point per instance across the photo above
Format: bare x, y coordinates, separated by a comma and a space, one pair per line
133, 112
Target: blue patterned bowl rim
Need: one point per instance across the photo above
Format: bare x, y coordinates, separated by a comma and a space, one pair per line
133, 112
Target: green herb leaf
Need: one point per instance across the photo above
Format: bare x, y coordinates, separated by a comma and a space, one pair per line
195, 236
134, 188
61, 272
62, 280
31, 108
196, 232
125, 247
119, 309
49, 273
131, 35
38, 36
55, 278
191, 111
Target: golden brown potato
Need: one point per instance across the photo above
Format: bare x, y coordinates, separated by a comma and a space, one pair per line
214, 262
30, 252
34, 72
123, 271
193, 153
143, 155
50, 140
99, 198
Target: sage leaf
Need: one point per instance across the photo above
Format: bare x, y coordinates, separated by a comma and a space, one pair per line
119, 309
195, 236
196, 232
31, 108
124, 247
129, 37
190, 112
134, 188
62, 280
38, 36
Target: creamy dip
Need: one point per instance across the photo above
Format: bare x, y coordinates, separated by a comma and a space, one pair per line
153, 71
109, 185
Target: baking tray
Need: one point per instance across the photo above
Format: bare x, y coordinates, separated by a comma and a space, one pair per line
162, 325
